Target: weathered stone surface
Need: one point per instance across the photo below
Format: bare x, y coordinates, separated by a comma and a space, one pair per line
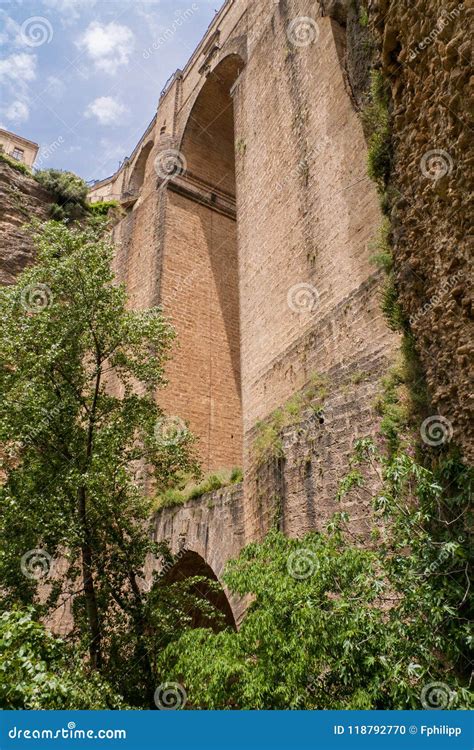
428, 65
21, 199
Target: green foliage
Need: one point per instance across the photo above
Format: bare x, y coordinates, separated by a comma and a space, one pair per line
188, 490
383, 259
381, 248
102, 208
324, 641
403, 399
15, 164
69, 191
376, 119
363, 16
359, 376
267, 442
38, 671
73, 450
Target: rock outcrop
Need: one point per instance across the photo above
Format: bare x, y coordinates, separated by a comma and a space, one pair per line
21, 199
426, 56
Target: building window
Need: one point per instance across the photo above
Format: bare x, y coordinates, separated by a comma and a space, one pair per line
18, 154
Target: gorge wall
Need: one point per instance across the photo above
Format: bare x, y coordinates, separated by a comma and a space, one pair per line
249, 217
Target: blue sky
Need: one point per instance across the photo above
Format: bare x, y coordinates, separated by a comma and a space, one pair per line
83, 77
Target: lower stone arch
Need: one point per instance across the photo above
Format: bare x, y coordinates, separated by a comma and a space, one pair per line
189, 564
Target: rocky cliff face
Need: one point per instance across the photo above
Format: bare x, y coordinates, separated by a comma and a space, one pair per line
426, 56
424, 52
21, 199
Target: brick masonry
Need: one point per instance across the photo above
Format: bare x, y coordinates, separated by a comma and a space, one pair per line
258, 252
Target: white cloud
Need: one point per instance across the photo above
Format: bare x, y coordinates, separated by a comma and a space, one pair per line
108, 45
17, 111
106, 109
11, 30
18, 68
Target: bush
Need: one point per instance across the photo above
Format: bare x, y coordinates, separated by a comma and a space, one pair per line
69, 191
38, 671
376, 120
102, 208
188, 490
339, 626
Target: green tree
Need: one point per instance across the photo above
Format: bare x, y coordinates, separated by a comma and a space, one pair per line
335, 624
83, 440
38, 671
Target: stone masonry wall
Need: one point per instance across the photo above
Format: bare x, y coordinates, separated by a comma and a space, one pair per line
306, 214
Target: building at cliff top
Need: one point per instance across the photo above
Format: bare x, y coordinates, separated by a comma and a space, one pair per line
18, 148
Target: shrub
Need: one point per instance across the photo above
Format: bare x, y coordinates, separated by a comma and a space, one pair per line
102, 208
38, 671
188, 490
376, 120
69, 191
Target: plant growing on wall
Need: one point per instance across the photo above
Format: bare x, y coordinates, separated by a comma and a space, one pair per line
334, 625
73, 453
68, 190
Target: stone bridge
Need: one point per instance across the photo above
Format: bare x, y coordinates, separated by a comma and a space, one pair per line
203, 535
248, 216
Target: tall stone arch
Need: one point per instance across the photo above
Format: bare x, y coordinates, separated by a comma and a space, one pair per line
138, 169
199, 279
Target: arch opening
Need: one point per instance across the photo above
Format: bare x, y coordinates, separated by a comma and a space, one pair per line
204, 376
208, 142
190, 565
137, 176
